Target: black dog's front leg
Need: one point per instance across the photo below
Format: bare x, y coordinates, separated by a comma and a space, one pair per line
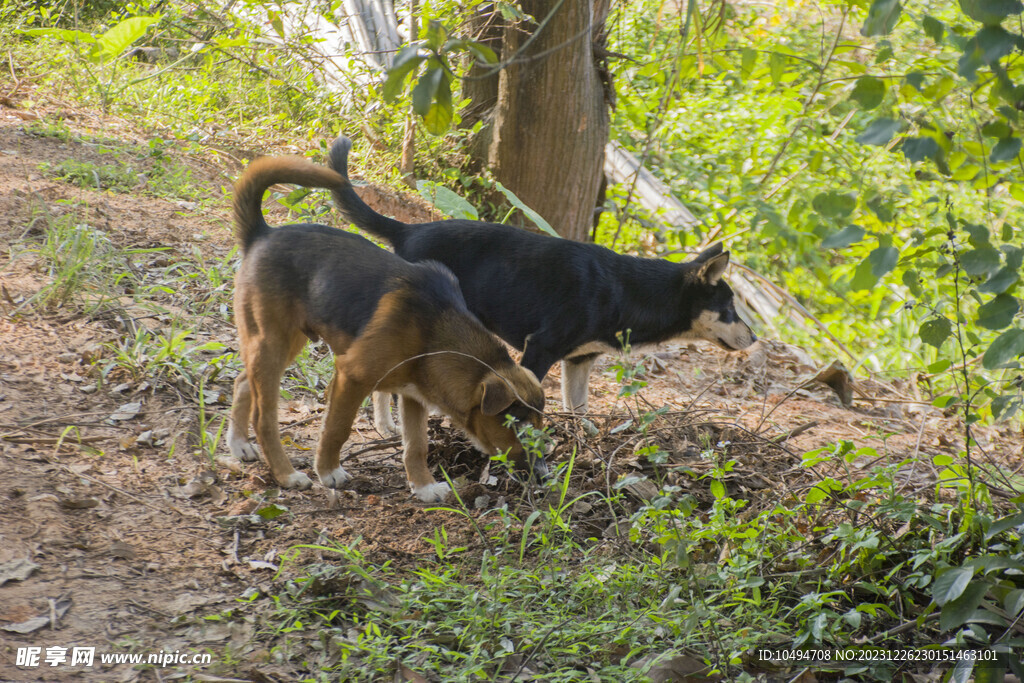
537, 358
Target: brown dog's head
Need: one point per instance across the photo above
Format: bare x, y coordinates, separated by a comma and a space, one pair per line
515, 392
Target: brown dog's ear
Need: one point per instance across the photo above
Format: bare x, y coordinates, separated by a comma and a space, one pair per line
497, 395
711, 271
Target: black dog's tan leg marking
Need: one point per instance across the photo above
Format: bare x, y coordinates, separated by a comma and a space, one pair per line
344, 397
575, 379
383, 421
413, 415
241, 413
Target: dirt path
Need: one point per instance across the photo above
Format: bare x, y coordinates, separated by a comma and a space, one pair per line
121, 532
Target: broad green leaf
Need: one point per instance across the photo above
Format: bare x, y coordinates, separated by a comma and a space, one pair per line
883, 259
276, 22
935, 331
957, 611
67, 35
392, 87
1008, 346
880, 132
988, 45
1013, 602
916, 149
427, 87
437, 35
980, 262
1006, 406
748, 60
996, 129
272, 511
882, 208
933, 28
851, 234
718, 489
864, 277
117, 39
446, 201
1002, 280
834, 204
869, 92
482, 52
509, 12
998, 313
1014, 256
1005, 150
882, 18
990, 12
407, 54
776, 67
913, 281
821, 490
1003, 524
407, 59
951, 584
439, 118
916, 79
978, 236
537, 219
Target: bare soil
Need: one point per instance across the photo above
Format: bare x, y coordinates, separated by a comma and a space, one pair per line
135, 536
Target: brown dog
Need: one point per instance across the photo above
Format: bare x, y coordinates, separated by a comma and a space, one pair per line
393, 326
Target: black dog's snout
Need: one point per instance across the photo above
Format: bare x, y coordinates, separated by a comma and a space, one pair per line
541, 472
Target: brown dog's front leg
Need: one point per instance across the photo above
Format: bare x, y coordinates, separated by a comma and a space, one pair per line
413, 416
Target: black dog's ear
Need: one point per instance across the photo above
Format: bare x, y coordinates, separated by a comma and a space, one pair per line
711, 271
714, 250
497, 395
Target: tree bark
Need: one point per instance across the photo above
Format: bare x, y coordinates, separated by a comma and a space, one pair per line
550, 121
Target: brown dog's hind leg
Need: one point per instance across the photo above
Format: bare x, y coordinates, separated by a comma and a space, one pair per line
241, 413
413, 416
344, 397
265, 362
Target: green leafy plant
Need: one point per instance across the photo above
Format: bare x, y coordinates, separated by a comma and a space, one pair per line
428, 60
97, 50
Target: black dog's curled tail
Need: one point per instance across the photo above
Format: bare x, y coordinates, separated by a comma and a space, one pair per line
355, 209
261, 174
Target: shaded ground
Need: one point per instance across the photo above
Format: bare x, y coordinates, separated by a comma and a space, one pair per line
135, 534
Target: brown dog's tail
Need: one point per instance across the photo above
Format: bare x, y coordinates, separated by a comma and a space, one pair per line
353, 208
261, 174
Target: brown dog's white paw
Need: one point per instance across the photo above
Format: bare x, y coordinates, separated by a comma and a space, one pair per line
432, 493
296, 480
336, 478
242, 449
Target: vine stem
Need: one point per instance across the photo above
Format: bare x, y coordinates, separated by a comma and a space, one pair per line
963, 367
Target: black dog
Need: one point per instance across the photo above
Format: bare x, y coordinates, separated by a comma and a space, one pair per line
558, 299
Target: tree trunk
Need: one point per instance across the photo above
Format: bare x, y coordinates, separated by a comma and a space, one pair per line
550, 122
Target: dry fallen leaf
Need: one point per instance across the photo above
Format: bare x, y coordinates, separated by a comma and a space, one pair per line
16, 570
127, 411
